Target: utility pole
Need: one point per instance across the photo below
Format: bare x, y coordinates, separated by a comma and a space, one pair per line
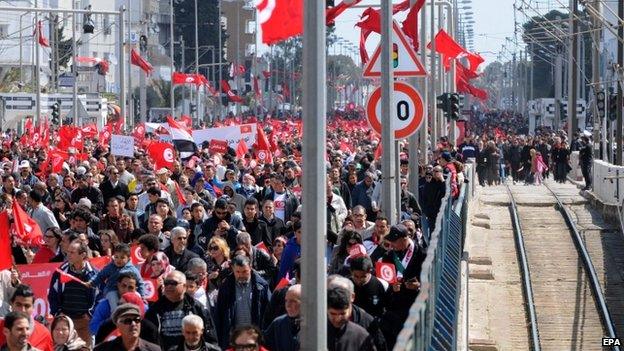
514, 82
313, 277
600, 123
197, 114
38, 64
171, 39
573, 70
388, 194
122, 66
130, 117
558, 81
75, 67
620, 59
219, 66
183, 70
143, 49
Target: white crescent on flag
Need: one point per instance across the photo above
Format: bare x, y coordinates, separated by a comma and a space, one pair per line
386, 273
265, 9
168, 155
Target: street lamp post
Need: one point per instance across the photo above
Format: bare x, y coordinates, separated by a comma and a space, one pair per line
171, 66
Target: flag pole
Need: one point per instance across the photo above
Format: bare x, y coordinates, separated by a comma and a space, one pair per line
314, 211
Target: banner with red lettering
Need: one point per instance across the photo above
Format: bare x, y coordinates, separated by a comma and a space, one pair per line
218, 146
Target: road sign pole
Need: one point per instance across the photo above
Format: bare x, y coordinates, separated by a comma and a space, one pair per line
424, 129
387, 132
432, 79
314, 308
413, 142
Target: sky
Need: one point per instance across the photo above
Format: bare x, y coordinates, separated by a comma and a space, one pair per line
494, 20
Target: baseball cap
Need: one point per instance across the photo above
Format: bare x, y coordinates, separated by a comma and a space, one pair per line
446, 156
24, 164
162, 171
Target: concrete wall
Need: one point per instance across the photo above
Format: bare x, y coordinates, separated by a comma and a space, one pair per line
606, 190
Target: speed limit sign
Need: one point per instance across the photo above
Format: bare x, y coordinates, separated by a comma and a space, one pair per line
407, 111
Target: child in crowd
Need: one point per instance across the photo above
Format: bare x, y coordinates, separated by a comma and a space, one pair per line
121, 263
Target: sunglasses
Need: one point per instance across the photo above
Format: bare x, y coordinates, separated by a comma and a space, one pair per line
129, 321
171, 282
213, 248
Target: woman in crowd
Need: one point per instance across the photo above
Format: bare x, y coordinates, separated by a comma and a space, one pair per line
349, 239
218, 261
51, 251
109, 239
64, 335
160, 269
61, 209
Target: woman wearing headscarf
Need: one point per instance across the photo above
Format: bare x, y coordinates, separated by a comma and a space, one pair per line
160, 269
64, 335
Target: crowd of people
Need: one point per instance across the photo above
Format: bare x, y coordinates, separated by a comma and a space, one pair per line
503, 151
219, 242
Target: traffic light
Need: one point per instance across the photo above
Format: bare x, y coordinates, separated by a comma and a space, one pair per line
600, 103
395, 55
443, 103
454, 112
193, 108
564, 110
88, 25
56, 113
612, 106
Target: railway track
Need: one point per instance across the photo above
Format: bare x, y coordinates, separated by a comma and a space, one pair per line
566, 308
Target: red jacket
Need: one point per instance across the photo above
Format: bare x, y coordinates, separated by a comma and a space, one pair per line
454, 186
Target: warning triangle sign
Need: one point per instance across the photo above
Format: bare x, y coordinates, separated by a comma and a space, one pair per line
404, 59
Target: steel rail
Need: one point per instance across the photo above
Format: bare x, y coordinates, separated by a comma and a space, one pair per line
603, 310
526, 274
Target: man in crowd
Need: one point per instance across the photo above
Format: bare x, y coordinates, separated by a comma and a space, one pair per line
127, 318
283, 333
23, 300
16, 332
72, 298
179, 255
285, 201
167, 313
242, 299
342, 334
41, 214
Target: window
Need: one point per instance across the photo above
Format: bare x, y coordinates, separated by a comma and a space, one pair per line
250, 28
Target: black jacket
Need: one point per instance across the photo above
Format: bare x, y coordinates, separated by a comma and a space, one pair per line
93, 194
258, 231
171, 314
282, 334
433, 193
351, 337
108, 190
180, 262
275, 226
368, 322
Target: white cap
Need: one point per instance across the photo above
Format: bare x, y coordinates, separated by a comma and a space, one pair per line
24, 164
162, 171
81, 170
85, 202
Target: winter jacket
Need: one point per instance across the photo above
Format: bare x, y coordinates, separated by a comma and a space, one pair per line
167, 317
350, 337
258, 231
282, 334
292, 251
179, 261
226, 305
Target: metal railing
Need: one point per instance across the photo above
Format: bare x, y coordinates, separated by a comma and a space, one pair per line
432, 320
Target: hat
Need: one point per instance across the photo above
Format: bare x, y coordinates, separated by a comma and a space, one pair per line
84, 202
397, 231
80, 170
183, 223
24, 164
126, 309
162, 171
446, 156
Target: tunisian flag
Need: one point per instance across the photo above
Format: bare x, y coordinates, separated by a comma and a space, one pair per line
280, 19
137, 60
43, 41
263, 150
184, 78
162, 154
26, 228
5, 241
448, 47
225, 87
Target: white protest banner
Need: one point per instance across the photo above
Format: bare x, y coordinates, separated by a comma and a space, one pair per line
232, 134
122, 145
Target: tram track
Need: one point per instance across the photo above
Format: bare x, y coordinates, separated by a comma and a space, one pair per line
566, 308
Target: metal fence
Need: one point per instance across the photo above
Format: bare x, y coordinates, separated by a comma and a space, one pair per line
432, 320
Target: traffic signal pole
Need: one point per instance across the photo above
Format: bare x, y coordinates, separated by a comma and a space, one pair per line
573, 68
620, 60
